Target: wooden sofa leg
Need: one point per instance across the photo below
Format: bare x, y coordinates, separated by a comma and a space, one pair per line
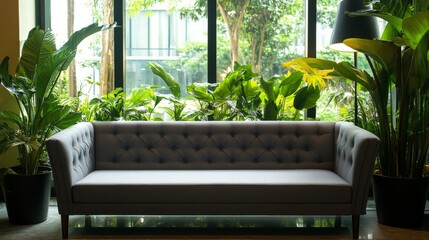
65, 225
355, 223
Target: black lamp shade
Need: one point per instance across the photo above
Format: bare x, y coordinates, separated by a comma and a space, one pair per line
352, 27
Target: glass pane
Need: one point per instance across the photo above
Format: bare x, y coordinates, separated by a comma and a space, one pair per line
159, 34
262, 33
337, 100
92, 72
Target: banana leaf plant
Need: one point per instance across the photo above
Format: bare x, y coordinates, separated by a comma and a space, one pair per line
41, 112
398, 86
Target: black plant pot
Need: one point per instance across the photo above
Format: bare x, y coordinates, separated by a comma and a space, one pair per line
400, 202
27, 197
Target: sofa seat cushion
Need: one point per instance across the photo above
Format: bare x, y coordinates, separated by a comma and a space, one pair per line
212, 186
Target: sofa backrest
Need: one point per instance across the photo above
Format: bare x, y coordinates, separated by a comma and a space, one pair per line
214, 145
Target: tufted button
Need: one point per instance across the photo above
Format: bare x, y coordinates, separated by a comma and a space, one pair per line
306, 147
173, 147
268, 148
197, 148
220, 148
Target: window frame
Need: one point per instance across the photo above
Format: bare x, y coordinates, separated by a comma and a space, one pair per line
43, 20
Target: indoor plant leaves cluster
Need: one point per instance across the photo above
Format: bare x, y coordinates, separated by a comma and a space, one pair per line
398, 85
41, 112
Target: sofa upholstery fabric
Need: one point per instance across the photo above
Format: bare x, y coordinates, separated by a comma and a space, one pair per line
266, 167
218, 145
212, 186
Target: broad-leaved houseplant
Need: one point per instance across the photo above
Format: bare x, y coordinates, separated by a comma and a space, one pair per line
399, 88
40, 114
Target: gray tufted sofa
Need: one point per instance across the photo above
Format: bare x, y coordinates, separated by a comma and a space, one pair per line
207, 168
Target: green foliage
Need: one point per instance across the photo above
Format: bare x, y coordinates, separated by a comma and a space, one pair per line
236, 97
398, 63
41, 112
242, 95
116, 105
168, 79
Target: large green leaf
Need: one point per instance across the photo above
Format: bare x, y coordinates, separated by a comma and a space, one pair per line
270, 111
289, 85
57, 116
67, 119
226, 87
249, 89
268, 87
77, 37
415, 27
230, 87
168, 79
306, 98
200, 93
38, 47
47, 74
5, 78
385, 53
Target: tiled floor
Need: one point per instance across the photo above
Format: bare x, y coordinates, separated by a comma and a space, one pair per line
138, 227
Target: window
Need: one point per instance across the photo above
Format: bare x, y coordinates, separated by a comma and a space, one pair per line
159, 34
91, 73
185, 38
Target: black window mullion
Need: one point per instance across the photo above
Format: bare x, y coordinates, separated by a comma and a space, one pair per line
211, 42
43, 14
311, 35
119, 46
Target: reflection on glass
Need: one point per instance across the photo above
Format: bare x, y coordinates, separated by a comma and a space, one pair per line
160, 34
206, 222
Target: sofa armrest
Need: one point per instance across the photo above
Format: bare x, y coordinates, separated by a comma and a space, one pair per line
355, 153
71, 153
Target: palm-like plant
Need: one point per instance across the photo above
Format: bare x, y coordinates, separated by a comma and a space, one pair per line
399, 85
41, 112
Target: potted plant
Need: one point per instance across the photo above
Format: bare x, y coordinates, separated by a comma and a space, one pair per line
399, 90
27, 187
